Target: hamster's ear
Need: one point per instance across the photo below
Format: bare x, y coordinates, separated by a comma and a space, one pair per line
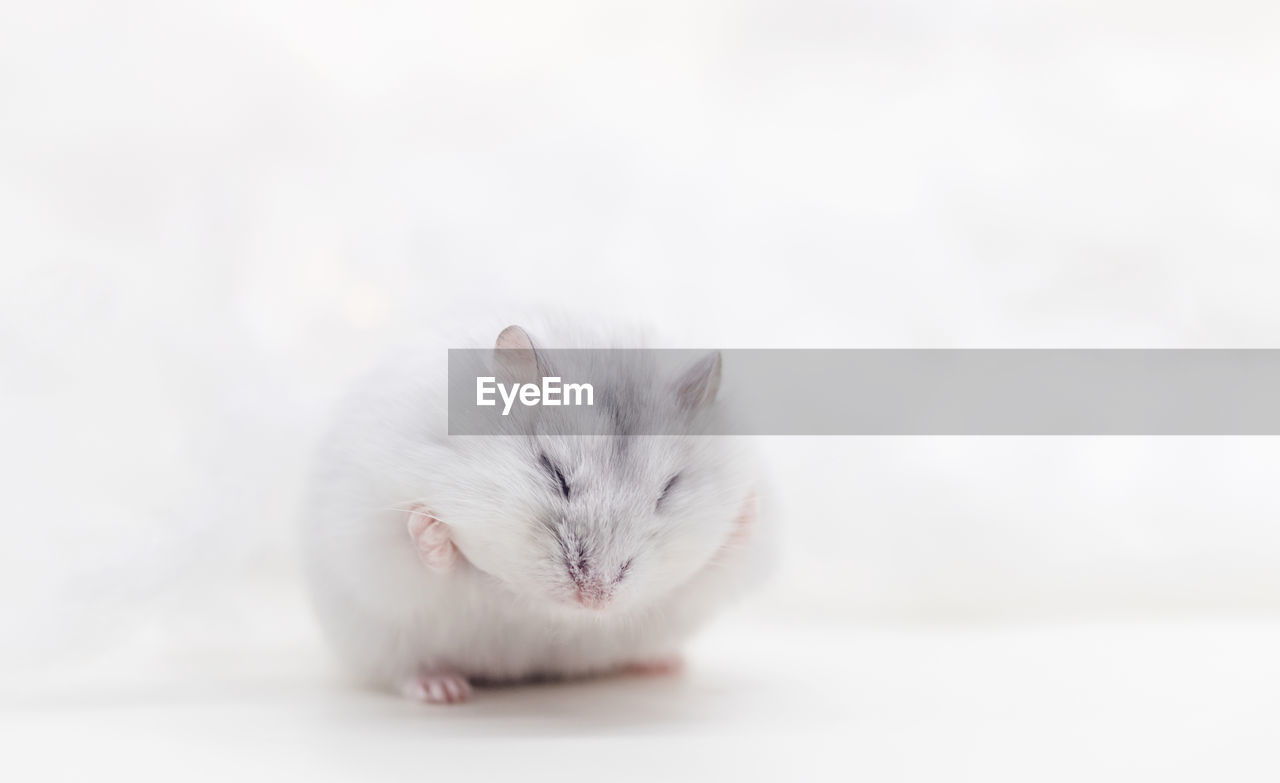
698, 385
515, 358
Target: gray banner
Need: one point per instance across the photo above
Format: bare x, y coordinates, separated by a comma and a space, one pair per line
873, 392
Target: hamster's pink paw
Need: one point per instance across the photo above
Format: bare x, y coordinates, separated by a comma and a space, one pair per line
745, 522
441, 687
656, 667
432, 539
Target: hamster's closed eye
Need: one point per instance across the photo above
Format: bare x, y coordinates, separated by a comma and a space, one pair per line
555, 474
666, 490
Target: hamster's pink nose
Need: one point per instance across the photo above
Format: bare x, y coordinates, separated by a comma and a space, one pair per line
593, 594
593, 600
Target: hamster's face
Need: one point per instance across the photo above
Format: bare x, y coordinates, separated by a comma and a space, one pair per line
600, 523
606, 522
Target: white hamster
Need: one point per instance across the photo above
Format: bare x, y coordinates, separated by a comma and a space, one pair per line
440, 561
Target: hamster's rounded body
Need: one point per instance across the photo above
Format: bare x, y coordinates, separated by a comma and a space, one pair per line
501, 558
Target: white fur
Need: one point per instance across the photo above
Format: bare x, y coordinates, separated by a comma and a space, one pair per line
505, 611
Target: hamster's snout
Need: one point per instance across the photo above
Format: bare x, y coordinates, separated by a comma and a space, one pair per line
593, 593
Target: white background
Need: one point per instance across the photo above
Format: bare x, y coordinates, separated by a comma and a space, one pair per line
213, 216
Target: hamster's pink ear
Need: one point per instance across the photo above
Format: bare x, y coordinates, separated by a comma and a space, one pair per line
515, 358
698, 385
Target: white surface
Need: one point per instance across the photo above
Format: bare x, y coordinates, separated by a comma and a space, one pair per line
1192, 700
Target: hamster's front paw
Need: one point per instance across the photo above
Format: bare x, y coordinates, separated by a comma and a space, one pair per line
746, 520
432, 539
656, 667
438, 687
